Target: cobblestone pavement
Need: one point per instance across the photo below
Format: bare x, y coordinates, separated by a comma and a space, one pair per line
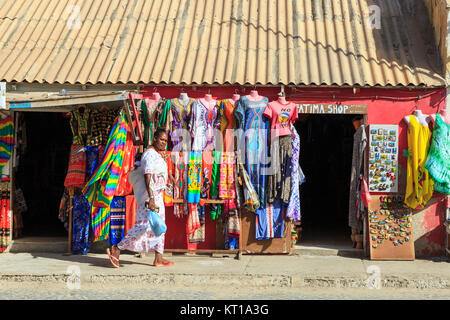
40, 291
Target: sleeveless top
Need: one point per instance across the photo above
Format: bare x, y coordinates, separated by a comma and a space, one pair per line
438, 163
419, 185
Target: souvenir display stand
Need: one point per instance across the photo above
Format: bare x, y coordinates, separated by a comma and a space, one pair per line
390, 229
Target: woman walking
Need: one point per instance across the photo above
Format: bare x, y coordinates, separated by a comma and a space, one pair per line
148, 179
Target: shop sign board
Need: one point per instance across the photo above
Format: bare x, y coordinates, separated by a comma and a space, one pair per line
332, 108
2, 95
383, 158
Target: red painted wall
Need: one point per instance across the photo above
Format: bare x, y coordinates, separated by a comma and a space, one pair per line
385, 106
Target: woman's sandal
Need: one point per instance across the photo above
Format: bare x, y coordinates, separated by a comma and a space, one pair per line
165, 264
114, 261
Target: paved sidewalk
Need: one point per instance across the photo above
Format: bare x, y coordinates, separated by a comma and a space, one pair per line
250, 271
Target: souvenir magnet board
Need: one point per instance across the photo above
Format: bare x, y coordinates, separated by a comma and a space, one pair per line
390, 229
383, 158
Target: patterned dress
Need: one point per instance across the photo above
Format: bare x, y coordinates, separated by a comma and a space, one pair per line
140, 238
293, 210
227, 125
438, 163
203, 121
181, 116
253, 141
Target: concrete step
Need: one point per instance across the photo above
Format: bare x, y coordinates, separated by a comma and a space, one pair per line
49, 245
323, 250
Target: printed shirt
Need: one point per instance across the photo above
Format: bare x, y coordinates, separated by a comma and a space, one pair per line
282, 116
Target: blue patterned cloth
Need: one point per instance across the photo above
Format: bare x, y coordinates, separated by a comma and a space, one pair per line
117, 227
92, 160
81, 215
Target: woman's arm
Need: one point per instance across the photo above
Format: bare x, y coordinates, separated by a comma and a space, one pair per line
151, 202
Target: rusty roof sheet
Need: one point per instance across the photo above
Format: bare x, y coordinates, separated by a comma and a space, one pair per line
266, 42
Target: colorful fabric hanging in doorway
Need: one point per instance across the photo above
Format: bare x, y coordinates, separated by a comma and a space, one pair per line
6, 140
100, 189
5, 221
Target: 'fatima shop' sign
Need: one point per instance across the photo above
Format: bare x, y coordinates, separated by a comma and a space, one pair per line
332, 108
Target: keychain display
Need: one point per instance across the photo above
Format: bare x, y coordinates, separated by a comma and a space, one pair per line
392, 223
383, 158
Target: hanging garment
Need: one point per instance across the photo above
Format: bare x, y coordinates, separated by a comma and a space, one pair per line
193, 222
203, 121
168, 192
80, 221
92, 160
359, 145
232, 215
227, 125
130, 215
207, 164
5, 223
419, 185
123, 186
181, 117
100, 189
293, 210
438, 163
279, 182
194, 177
81, 125
199, 233
141, 237
282, 116
270, 221
6, 141
101, 223
249, 196
117, 228
180, 187
65, 207
214, 208
155, 116
227, 187
76, 171
102, 123
254, 141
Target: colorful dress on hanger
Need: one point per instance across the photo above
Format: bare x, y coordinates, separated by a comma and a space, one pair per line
419, 185
81, 125
141, 238
293, 210
270, 221
203, 121
118, 213
154, 116
180, 165
76, 171
359, 145
438, 163
181, 117
102, 123
194, 177
253, 141
227, 125
168, 192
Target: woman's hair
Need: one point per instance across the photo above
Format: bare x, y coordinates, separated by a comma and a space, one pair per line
159, 131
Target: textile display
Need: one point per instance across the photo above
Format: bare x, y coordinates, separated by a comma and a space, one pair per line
419, 185
199, 233
227, 125
206, 170
80, 225
194, 177
250, 197
123, 186
359, 145
203, 121
65, 207
6, 140
168, 192
181, 117
117, 225
100, 189
215, 209
102, 123
92, 160
76, 171
270, 221
437, 162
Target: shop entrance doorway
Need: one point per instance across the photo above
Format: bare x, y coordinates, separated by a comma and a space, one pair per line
41, 172
326, 159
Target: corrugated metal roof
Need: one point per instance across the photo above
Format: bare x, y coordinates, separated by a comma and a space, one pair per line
291, 42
